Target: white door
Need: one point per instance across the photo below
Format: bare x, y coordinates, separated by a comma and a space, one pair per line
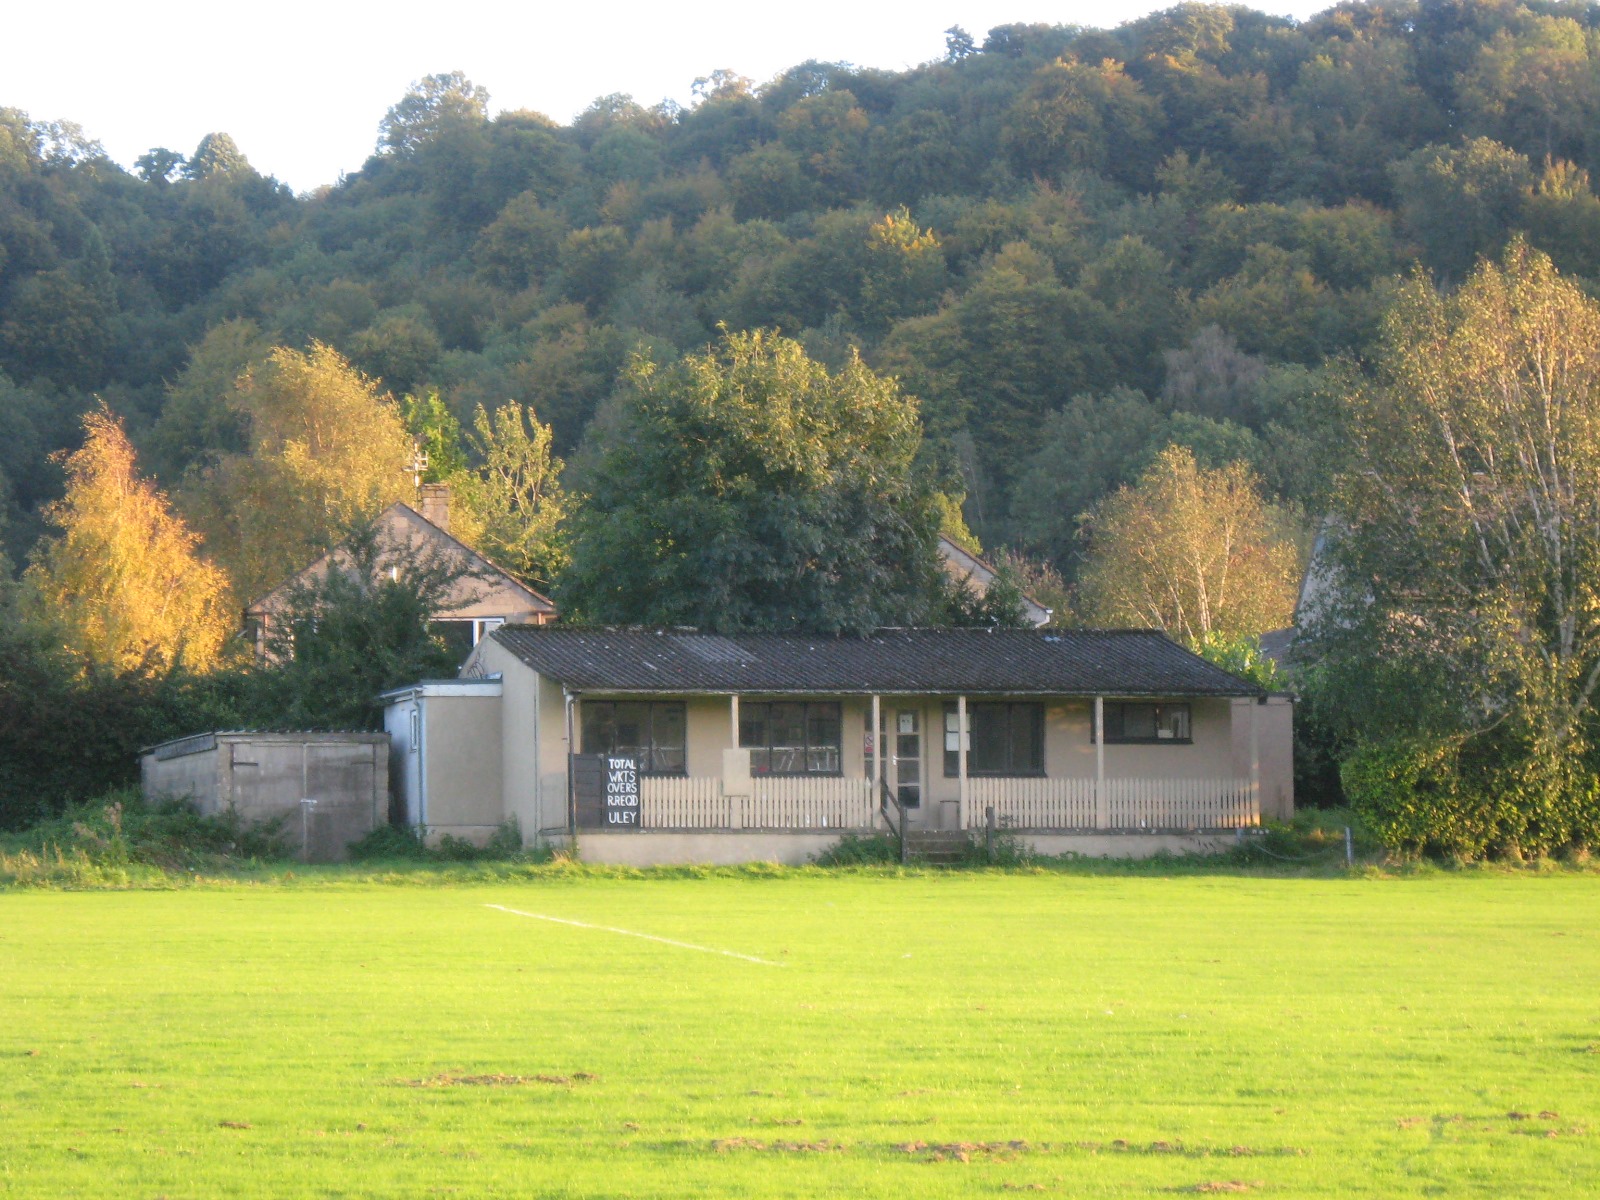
904, 742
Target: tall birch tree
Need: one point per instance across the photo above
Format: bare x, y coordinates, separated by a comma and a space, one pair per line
1468, 550
122, 578
1192, 551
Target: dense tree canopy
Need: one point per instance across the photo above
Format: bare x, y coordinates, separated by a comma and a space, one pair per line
1046, 212
751, 488
1469, 548
326, 451
512, 507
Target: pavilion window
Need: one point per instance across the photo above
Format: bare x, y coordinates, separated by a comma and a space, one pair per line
653, 732
1005, 739
1147, 724
791, 737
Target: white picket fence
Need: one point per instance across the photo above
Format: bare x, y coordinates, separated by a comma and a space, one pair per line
1035, 804
682, 803
1129, 804
1032, 803
810, 804
1180, 804
789, 803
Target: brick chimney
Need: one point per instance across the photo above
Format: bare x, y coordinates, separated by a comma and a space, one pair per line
436, 504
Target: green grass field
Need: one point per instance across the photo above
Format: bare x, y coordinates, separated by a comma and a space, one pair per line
930, 1035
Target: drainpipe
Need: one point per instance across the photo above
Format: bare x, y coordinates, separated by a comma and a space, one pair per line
538, 763
572, 795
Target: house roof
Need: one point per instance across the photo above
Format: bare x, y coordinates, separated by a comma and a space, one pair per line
404, 523
962, 564
1278, 645
947, 661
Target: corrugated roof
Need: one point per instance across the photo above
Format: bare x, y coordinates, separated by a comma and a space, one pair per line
196, 743
947, 661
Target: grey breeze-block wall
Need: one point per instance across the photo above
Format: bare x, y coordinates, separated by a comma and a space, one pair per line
327, 789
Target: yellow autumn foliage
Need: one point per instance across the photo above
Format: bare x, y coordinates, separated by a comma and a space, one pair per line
327, 451
1192, 551
122, 579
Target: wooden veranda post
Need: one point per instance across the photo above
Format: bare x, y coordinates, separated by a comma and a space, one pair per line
1255, 761
876, 766
961, 760
1102, 809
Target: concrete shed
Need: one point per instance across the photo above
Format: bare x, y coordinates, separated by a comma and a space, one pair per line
330, 789
445, 756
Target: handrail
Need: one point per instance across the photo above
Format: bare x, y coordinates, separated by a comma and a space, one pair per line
897, 828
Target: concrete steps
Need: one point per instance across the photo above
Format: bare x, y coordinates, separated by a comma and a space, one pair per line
937, 847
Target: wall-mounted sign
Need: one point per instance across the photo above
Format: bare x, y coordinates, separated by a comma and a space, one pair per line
605, 792
622, 792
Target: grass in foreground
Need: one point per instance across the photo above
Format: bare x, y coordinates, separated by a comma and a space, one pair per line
933, 1035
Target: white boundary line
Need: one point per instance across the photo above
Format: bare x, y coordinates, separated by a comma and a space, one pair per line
649, 937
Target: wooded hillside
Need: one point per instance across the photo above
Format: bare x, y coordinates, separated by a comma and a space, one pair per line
1075, 246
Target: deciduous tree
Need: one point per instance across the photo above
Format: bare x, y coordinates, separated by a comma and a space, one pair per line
512, 508
1195, 552
1469, 547
327, 451
750, 488
122, 579
433, 105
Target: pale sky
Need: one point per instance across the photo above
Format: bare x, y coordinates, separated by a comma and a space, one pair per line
302, 85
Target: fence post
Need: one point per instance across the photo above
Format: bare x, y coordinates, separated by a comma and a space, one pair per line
1349, 848
988, 832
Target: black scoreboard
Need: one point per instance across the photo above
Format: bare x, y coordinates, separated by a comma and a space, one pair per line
606, 791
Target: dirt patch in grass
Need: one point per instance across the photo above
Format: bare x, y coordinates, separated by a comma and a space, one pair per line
728, 1145
1224, 1185
496, 1080
1009, 1150
1121, 1146
965, 1151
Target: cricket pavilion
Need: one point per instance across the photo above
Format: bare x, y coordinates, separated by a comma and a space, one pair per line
647, 746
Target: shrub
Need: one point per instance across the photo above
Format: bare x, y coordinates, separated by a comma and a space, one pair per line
1473, 798
387, 843
119, 830
390, 843
1410, 791
70, 729
1002, 850
854, 850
